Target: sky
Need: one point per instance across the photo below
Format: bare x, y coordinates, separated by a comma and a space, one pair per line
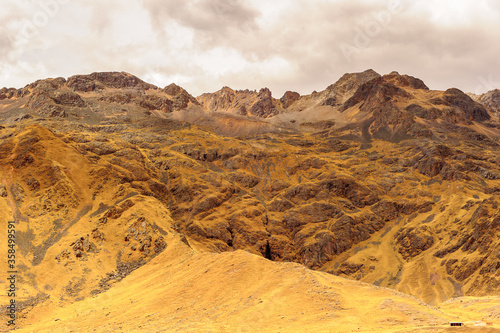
297, 45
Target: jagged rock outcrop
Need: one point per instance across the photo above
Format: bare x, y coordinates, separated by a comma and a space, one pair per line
289, 98
68, 99
339, 92
41, 102
7, 93
405, 81
96, 81
153, 102
413, 241
464, 107
242, 102
491, 101
376, 94
392, 109
59, 97
180, 97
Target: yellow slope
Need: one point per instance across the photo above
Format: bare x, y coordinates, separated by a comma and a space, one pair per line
186, 290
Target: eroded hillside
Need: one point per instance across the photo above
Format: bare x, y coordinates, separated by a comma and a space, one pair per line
390, 183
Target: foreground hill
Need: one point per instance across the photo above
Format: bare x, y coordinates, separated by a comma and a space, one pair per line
377, 179
185, 289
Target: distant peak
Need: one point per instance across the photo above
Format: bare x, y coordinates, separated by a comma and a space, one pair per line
345, 87
405, 80
359, 77
226, 89
453, 91
107, 79
173, 89
371, 72
289, 98
265, 92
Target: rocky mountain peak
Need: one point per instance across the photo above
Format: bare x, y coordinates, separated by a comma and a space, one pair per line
289, 98
47, 84
181, 98
392, 99
405, 81
100, 80
391, 106
339, 92
226, 90
173, 89
491, 100
375, 92
465, 105
265, 93
351, 81
242, 102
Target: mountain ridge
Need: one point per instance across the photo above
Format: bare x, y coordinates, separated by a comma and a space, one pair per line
401, 100
377, 179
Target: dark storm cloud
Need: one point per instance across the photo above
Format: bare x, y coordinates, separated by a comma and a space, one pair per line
204, 16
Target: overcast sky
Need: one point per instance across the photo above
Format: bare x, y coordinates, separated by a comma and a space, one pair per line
299, 45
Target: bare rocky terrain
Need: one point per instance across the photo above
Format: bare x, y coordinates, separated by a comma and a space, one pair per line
377, 179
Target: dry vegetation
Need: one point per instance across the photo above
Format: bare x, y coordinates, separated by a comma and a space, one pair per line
138, 209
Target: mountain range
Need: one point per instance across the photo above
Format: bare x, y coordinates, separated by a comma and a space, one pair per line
376, 197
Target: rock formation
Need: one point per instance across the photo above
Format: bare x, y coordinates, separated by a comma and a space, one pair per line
396, 184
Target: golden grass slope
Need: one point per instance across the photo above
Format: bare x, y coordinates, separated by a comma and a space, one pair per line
115, 186
187, 289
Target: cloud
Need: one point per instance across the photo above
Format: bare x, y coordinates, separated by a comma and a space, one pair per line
301, 45
6, 42
212, 19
